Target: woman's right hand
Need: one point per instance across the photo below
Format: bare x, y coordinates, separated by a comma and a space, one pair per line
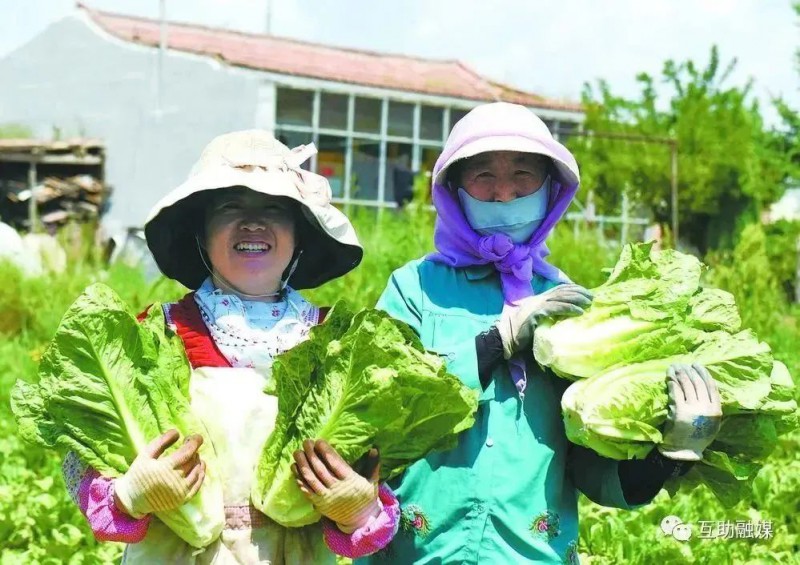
517, 323
339, 492
154, 483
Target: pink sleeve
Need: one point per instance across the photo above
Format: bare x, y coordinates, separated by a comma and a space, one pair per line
94, 495
372, 537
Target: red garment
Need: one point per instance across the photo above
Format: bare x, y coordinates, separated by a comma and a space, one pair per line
185, 318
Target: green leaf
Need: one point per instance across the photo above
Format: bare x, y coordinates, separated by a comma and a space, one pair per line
107, 387
650, 314
358, 381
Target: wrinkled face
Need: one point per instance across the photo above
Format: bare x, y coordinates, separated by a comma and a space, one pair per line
500, 176
250, 240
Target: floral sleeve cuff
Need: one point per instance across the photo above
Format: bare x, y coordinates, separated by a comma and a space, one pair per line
371, 537
108, 523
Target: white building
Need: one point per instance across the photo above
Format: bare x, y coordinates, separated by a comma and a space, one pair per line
371, 115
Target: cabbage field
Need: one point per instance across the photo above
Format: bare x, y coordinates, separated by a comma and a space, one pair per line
40, 524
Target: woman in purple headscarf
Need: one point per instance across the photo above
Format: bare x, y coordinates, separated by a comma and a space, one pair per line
508, 492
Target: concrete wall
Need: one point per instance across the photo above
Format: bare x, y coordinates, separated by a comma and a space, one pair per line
77, 78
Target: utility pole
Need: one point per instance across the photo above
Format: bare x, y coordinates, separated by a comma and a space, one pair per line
162, 47
33, 218
623, 232
268, 23
673, 147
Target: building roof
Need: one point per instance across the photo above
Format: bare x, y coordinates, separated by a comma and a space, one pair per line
300, 58
75, 151
74, 145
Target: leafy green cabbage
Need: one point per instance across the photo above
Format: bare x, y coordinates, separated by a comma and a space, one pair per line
651, 306
358, 381
108, 385
649, 314
618, 413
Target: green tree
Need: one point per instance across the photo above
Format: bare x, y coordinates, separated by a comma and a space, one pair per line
730, 164
790, 116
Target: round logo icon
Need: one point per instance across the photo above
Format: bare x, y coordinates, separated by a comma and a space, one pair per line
682, 532
668, 524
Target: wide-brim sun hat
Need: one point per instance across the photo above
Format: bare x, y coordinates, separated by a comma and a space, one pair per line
501, 126
253, 159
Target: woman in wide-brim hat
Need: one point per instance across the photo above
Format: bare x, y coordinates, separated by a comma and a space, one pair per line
246, 230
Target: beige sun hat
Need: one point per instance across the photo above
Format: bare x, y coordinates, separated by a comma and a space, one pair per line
256, 160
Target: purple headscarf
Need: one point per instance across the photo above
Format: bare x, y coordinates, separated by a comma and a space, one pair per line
501, 127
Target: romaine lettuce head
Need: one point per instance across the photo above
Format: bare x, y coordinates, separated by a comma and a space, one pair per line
108, 385
358, 381
619, 413
649, 314
651, 306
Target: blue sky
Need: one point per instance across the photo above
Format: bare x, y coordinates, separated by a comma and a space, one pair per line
546, 46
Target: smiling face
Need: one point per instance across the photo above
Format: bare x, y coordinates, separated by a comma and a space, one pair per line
501, 176
250, 240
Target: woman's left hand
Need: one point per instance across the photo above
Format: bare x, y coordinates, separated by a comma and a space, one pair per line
695, 412
337, 491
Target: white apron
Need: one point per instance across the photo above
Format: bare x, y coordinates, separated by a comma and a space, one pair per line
239, 418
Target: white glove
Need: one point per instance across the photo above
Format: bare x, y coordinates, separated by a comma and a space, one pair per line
154, 485
695, 413
334, 488
517, 323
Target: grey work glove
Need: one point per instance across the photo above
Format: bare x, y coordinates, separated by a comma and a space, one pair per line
517, 323
695, 413
154, 483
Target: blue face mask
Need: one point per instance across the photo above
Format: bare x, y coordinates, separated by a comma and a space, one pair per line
517, 218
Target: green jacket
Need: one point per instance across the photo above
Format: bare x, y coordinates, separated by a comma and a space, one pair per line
508, 492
